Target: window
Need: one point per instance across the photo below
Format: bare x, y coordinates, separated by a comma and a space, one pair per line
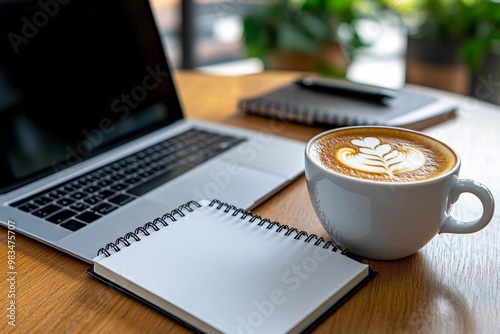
210, 34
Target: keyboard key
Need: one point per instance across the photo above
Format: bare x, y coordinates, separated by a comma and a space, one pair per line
42, 200
82, 182
145, 174
106, 193
130, 171
56, 194
143, 188
73, 225
119, 186
62, 192
69, 188
104, 208
121, 199
104, 183
93, 200
78, 195
92, 189
132, 180
88, 217
65, 202
79, 206
46, 211
28, 207
116, 177
61, 216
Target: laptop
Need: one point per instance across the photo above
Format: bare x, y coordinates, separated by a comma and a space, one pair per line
93, 140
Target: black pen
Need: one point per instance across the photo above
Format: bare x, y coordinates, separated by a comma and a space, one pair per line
347, 88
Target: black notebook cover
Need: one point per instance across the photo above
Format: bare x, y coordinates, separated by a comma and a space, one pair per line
293, 103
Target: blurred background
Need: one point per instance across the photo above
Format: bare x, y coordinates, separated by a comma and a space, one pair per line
453, 45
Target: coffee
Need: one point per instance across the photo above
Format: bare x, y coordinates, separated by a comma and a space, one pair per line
383, 154
368, 187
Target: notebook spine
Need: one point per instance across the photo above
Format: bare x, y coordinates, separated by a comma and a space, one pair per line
296, 113
147, 228
280, 228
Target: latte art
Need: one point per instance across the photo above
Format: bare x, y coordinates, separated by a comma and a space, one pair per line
372, 157
383, 154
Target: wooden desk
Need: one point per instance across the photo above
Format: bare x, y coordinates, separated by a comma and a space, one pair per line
450, 286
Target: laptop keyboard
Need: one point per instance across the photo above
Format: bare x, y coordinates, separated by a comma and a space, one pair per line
86, 198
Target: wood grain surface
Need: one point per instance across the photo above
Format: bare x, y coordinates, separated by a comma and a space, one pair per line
450, 286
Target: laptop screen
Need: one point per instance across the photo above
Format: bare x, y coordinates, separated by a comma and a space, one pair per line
77, 77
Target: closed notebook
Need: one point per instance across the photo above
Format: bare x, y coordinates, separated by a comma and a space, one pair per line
218, 269
294, 103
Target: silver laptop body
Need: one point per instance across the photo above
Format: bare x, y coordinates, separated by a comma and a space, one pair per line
85, 87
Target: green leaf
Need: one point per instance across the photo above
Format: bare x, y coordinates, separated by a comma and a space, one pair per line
338, 6
313, 5
315, 26
473, 50
291, 38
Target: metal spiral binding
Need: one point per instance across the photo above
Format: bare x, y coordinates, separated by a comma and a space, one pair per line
295, 113
147, 228
270, 224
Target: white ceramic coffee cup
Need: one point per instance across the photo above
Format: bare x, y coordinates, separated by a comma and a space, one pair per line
390, 220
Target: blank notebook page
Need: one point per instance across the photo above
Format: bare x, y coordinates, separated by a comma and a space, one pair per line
222, 273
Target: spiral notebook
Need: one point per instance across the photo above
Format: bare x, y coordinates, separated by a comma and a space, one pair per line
294, 103
216, 268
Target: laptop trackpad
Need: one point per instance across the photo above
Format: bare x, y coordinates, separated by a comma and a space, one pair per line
225, 180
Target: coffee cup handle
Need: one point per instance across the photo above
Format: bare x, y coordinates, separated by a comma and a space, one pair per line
451, 225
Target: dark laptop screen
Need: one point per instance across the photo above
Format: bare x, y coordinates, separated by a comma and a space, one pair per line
77, 77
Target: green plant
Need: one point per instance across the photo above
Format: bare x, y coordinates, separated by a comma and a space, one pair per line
474, 24
305, 26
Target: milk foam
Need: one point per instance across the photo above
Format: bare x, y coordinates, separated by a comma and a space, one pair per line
383, 154
373, 157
